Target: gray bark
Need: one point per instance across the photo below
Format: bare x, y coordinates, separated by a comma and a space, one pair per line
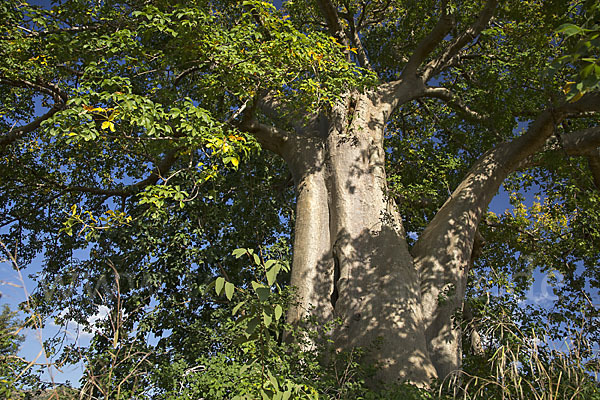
443, 251
351, 260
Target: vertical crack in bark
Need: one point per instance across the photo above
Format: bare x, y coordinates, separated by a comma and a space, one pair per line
336, 273
335, 251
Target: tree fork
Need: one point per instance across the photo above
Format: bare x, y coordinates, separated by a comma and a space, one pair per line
351, 260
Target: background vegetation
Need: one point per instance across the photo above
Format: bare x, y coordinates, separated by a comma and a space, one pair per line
134, 184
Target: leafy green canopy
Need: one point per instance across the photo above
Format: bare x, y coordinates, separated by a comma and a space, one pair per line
136, 168
137, 173
144, 100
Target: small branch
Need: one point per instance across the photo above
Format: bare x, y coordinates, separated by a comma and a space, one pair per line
163, 167
333, 22
72, 29
185, 73
360, 50
457, 44
453, 101
70, 69
43, 87
238, 112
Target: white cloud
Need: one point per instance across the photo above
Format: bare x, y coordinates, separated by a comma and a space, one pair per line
78, 331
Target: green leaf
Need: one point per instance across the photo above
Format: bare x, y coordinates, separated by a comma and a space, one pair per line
278, 312
569, 29
220, 282
256, 259
272, 275
252, 324
229, 287
263, 293
267, 319
273, 380
239, 252
237, 307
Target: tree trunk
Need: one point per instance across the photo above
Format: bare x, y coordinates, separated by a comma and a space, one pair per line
351, 260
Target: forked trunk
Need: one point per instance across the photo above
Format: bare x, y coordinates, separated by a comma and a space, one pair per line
351, 259
350, 254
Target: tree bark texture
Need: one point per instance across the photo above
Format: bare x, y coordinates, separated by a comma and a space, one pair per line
351, 259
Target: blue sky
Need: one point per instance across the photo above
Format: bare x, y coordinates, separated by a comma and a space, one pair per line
14, 287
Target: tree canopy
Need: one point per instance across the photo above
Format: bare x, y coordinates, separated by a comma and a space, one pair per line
154, 151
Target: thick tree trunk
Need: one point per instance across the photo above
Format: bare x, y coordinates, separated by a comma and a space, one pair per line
350, 254
351, 260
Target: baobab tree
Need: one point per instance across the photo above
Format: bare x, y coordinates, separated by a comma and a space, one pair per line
148, 103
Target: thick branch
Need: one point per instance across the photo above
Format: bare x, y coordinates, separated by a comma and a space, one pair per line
461, 41
269, 137
443, 251
482, 182
391, 95
16, 133
453, 101
586, 143
594, 165
582, 142
272, 107
333, 21
429, 43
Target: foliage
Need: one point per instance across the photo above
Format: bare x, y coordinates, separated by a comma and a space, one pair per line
139, 183
583, 44
10, 341
16, 374
520, 359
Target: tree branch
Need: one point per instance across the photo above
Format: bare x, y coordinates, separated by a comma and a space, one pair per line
161, 169
429, 43
72, 29
360, 50
333, 22
586, 143
443, 250
16, 133
453, 101
457, 44
582, 142
269, 137
60, 97
594, 165
43, 87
